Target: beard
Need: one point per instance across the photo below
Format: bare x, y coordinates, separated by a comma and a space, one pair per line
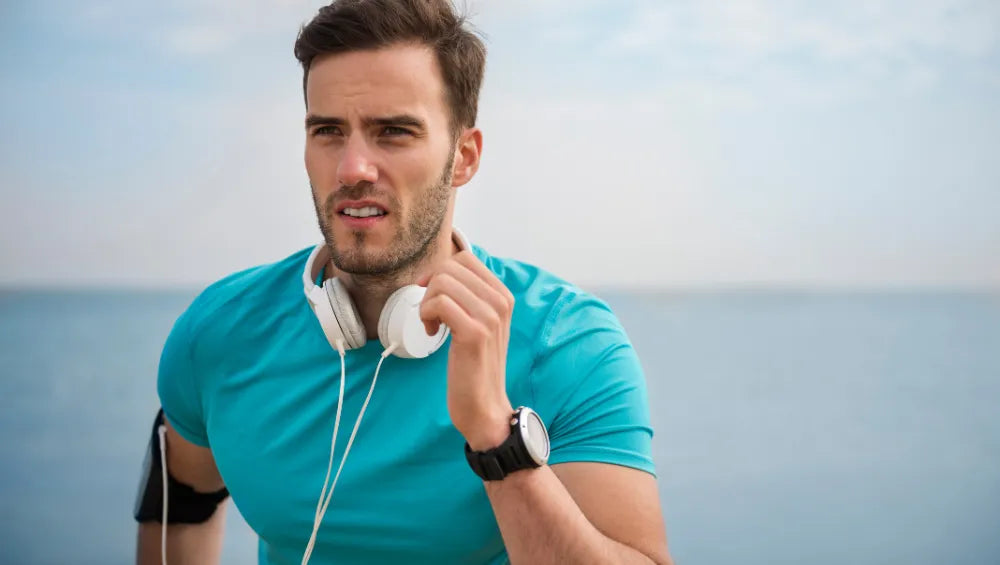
414, 232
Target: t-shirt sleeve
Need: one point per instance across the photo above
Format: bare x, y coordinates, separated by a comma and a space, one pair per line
177, 384
591, 389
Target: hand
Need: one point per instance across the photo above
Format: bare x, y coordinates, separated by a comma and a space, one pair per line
467, 297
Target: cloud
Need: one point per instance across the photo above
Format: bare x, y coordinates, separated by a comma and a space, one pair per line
643, 143
842, 30
196, 27
199, 39
744, 45
747, 54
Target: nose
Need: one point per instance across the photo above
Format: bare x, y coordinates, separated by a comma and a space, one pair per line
356, 164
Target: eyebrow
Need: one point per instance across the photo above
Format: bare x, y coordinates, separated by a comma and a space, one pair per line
397, 120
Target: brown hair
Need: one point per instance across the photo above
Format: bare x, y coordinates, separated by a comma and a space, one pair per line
353, 25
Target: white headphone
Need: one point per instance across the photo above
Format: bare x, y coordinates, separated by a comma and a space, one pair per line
399, 326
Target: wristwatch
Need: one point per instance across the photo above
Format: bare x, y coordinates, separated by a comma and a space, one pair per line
527, 447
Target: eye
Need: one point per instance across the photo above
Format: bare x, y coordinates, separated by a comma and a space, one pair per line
394, 131
326, 130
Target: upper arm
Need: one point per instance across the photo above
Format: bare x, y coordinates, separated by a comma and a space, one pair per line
178, 383
191, 464
189, 457
621, 502
592, 384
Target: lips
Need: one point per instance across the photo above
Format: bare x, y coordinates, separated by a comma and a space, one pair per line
359, 215
368, 207
366, 212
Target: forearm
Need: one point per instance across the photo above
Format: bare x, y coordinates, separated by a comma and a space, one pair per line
187, 544
541, 523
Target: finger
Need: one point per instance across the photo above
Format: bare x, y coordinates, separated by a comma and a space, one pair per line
431, 328
459, 291
442, 309
468, 260
501, 309
482, 288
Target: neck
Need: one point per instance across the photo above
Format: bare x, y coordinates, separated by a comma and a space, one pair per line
370, 292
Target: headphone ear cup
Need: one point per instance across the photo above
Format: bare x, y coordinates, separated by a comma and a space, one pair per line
320, 303
346, 314
383, 319
399, 324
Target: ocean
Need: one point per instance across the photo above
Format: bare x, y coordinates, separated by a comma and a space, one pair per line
791, 427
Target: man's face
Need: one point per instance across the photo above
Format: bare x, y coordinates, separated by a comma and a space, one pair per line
378, 142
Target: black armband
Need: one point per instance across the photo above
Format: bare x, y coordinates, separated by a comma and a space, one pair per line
184, 504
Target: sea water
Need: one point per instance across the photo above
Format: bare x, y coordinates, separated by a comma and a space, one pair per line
790, 427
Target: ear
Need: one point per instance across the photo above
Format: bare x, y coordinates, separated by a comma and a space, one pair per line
467, 153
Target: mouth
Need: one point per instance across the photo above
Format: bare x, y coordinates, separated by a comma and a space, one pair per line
360, 208
365, 212
360, 214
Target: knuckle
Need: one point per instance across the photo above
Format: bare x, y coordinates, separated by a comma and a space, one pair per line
503, 311
504, 303
492, 321
482, 332
507, 304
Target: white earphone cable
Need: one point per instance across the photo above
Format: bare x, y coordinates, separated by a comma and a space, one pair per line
162, 431
317, 518
350, 441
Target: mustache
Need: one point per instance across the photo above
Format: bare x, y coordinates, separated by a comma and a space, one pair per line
362, 190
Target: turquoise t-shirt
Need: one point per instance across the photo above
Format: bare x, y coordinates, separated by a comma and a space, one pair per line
248, 372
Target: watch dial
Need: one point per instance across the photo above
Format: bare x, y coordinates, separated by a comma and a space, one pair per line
538, 439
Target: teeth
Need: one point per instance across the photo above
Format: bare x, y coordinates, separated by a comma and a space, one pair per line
363, 212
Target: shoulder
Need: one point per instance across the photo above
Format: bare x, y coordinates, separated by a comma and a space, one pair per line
550, 312
239, 299
583, 376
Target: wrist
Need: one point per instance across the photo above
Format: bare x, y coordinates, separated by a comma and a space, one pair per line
526, 446
490, 431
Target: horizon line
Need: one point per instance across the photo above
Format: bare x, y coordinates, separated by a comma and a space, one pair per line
669, 288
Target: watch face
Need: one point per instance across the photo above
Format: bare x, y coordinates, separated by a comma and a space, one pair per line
536, 439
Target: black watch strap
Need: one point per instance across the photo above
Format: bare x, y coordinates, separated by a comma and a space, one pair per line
495, 464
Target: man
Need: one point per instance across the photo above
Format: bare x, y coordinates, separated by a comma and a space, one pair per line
441, 468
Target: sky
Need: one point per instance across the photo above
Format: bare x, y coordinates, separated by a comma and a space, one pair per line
648, 144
